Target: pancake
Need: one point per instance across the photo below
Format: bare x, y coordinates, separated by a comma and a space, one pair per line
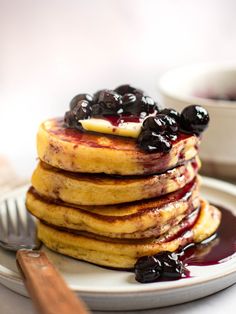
130, 220
105, 252
76, 151
95, 189
174, 227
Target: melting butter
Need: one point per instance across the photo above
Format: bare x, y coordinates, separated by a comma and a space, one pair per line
126, 129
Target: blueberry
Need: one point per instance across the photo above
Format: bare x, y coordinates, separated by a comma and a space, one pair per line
194, 119
171, 113
161, 124
97, 110
153, 142
147, 275
96, 95
79, 97
110, 98
147, 269
149, 124
128, 99
161, 265
171, 137
134, 103
128, 104
109, 101
149, 101
124, 100
143, 115
81, 111
152, 105
69, 120
172, 126
139, 91
126, 89
155, 124
145, 262
172, 267
141, 105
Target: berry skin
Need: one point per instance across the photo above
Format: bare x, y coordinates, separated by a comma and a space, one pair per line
146, 262
171, 137
96, 110
128, 99
69, 120
171, 113
153, 142
152, 105
163, 265
147, 269
194, 119
81, 111
109, 98
109, 102
155, 124
134, 104
172, 126
124, 100
147, 275
144, 105
79, 97
149, 123
161, 124
172, 267
126, 89
128, 103
96, 96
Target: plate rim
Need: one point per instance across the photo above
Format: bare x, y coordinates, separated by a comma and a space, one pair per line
217, 184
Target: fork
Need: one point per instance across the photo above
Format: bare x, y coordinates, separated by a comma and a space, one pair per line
23, 237
46, 287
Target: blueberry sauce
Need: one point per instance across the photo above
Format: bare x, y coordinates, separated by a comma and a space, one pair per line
217, 250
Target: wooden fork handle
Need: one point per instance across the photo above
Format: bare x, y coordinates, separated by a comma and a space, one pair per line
46, 287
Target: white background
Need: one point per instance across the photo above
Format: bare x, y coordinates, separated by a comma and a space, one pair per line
51, 50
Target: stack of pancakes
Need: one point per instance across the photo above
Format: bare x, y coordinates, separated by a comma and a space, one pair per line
100, 199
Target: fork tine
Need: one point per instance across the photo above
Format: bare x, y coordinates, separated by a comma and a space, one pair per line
2, 230
10, 227
30, 224
20, 226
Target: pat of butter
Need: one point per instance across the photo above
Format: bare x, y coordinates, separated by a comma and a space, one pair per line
127, 129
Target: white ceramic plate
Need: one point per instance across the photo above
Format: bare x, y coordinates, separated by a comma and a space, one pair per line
104, 289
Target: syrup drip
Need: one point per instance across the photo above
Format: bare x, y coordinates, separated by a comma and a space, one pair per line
218, 248
214, 250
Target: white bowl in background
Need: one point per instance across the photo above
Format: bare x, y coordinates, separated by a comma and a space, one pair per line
195, 84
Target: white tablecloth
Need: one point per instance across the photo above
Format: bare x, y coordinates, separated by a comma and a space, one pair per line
221, 302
